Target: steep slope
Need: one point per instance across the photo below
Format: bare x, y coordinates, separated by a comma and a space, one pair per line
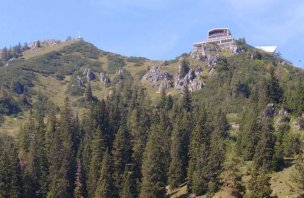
245, 98
60, 69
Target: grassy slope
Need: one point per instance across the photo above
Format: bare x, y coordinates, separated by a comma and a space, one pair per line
44, 50
56, 91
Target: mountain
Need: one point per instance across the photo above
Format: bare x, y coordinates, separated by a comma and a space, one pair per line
191, 120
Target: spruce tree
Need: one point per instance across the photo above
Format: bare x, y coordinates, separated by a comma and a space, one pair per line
105, 185
154, 164
88, 96
78, 190
97, 151
248, 134
231, 178
263, 157
299, 168
199, 137
121, 153
179, 151
175, 170
128, 186
11, 183
274, 90
186, 100
62, 156
259, 185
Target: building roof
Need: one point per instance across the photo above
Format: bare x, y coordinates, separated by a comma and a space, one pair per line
269, 49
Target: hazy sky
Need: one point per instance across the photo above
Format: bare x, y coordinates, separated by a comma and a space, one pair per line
157, 29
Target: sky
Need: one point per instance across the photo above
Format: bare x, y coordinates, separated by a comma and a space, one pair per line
156, 29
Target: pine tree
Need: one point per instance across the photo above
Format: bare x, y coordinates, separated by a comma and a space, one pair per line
175, 171
163, 99
263, 157
274, 91
121, 153
184, 68
259, 185
217, 155
154, 164
299, 168
128, 186
105, 185
88, 95
248, 134
97, 150
179, 151
199, 137
11, 184
186, 101
62, 156
231, 178
78, 190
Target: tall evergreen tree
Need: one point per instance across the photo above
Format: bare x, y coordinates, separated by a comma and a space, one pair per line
186, 100
199, 136
121, 153
128, 186
179, 150
299, 168
78, 190
62, 156
97, 150
259, 185
263, 157
105, 185
248, 134
154, 163
11, 184
88, 95
274, 90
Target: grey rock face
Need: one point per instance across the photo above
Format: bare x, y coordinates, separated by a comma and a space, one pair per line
120, 72
193, 81
155, 74
196, 84
80, 82
104, 79
89, 74
167, 84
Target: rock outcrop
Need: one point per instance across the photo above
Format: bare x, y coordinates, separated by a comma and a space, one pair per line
167, 84
155, 74
164, 79
192, 79
80, 82
45, 43
89, 74
104, 79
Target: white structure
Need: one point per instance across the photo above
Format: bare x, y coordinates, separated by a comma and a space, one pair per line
268, 49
